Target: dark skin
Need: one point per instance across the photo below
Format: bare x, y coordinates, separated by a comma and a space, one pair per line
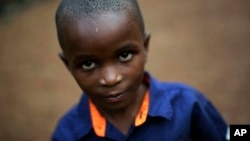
106, 56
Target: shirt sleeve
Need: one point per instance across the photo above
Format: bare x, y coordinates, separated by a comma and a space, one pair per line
207, 123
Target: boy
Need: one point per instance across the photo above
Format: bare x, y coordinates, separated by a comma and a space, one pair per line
104, 46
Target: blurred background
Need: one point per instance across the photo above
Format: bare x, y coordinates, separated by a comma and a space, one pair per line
202, 43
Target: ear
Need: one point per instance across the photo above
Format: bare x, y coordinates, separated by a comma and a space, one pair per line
63, 58
146, 43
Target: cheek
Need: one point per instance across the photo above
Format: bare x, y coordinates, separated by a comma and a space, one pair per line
136, 69
85, 82
139, 64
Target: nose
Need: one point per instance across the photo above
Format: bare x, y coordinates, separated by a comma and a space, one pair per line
110, 77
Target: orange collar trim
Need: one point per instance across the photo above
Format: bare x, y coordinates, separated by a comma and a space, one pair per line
99, 122
143, 112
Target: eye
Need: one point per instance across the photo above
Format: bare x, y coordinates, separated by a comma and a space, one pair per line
125, 56
88, 65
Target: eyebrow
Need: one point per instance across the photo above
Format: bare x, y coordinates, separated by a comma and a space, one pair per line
128, 45
81, 57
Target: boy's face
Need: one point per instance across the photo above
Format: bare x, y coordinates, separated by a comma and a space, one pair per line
106, 56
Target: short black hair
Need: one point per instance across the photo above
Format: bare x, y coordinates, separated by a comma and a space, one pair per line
79, 9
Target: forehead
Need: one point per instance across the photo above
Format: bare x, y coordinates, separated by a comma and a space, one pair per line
100, 29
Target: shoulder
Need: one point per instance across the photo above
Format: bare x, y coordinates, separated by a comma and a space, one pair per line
174, 99
180, 98
65, 125
184, 95
69, 117
178, 92
183, 101
75, 123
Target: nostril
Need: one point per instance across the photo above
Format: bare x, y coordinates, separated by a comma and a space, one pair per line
102, 81
118, 78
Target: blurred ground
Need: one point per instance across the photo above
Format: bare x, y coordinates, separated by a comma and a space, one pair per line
202, 43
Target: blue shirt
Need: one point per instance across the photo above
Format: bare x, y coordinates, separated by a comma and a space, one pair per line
177, 112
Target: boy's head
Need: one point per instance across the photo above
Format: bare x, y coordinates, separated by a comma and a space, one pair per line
105, 48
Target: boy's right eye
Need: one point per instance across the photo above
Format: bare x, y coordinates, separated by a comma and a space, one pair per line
88, 65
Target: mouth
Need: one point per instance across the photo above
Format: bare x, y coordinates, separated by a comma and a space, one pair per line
115, 97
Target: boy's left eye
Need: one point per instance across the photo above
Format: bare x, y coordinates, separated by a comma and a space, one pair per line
125, 56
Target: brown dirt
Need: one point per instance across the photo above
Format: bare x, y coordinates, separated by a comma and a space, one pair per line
202, 43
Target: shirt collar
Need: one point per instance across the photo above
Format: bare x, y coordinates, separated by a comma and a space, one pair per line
99, 122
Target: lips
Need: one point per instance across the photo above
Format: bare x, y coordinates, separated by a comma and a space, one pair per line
114, 97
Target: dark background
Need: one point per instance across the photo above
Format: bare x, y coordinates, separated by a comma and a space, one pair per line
202, 43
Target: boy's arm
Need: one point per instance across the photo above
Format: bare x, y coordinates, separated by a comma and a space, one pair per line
207, 123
